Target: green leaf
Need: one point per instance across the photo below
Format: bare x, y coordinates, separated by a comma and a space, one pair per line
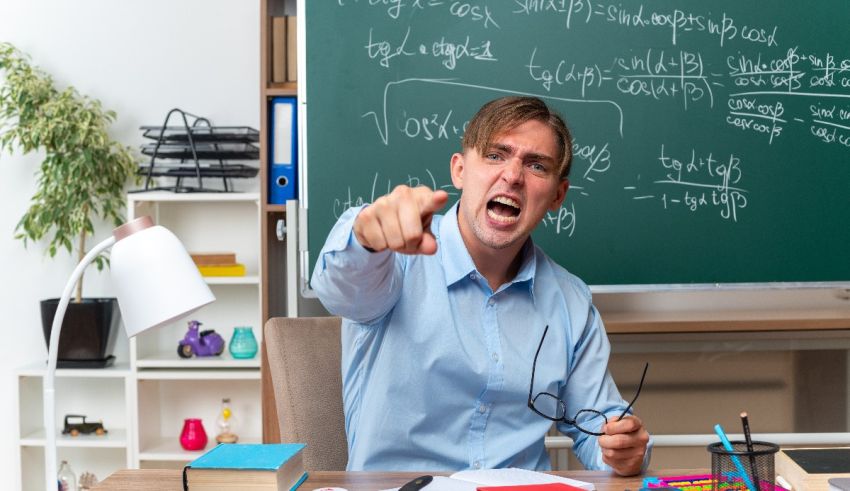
83, 173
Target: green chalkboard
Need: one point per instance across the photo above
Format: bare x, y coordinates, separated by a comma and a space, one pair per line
712, 139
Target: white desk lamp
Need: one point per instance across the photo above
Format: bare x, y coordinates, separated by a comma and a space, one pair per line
155, 281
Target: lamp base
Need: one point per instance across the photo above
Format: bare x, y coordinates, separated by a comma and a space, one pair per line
96, 363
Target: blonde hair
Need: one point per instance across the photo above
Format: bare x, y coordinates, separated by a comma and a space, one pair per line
503, 114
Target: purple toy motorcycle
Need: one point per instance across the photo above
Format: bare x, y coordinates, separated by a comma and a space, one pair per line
203, 343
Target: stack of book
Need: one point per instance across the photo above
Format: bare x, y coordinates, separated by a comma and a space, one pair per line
218, 264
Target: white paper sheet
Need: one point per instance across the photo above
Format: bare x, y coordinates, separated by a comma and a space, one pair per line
470, 480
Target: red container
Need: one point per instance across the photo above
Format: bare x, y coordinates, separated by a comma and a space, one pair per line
193, 436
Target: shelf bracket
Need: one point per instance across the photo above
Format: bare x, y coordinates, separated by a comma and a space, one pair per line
280, 229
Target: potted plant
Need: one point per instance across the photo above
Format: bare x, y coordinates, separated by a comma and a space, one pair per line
81, 177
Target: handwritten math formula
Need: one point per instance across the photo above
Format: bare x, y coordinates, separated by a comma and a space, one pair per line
697, 182
636, 81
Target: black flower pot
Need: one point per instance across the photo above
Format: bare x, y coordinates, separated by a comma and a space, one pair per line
88, 331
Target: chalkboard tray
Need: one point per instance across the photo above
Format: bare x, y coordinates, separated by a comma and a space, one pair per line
203, 151
225, 134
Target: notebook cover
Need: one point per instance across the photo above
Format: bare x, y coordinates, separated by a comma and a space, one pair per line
822, 460
253, 456
237, 269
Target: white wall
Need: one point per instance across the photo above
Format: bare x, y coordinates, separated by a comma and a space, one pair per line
140, 58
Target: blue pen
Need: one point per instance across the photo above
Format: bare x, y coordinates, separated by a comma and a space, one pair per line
735, 460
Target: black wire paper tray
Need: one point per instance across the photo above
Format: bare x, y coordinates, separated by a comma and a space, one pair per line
202, 134
226, 170
203, 151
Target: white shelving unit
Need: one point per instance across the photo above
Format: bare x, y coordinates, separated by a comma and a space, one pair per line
144, 398
100, 394
168, 388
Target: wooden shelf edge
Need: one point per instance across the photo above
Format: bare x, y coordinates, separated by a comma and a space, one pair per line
284, 89
732, 321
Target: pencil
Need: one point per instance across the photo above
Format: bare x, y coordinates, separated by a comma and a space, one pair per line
724, 440
746, 424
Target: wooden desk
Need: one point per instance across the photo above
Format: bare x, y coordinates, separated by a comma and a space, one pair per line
171, 480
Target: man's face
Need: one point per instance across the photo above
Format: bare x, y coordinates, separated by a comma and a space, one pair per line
508, 190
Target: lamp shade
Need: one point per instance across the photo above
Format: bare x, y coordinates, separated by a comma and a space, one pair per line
155, 279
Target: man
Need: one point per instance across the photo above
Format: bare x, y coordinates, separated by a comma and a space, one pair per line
444, 316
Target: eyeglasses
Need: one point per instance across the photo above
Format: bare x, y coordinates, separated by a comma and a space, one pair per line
554, 408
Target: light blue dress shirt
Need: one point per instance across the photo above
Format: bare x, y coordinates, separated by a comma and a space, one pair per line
436, 366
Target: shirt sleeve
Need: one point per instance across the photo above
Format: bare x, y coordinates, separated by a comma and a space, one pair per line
590, 386
352, 282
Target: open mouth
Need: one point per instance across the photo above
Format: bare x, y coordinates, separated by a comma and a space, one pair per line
503, 210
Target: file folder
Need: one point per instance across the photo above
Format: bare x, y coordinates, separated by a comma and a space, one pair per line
283, 151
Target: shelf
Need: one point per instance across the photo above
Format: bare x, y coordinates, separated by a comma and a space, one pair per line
169, 359
115, 438
200, 374
154, 196
169, 449
274, 208
232, 280
728, 321
282, 89
118, 370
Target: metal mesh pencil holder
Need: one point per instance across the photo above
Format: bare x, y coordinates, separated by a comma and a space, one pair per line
739, 468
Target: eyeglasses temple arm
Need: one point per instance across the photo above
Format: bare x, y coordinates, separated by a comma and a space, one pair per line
640, 386
534, 366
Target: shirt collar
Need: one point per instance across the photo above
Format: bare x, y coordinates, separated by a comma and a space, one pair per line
458, 264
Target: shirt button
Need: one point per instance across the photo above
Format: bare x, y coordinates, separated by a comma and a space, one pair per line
491, 302
482, 408
476, 464
495, 357
473, 276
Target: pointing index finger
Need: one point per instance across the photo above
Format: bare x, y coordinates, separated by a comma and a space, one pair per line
431, 201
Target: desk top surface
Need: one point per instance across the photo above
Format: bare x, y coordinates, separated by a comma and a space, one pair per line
171, 480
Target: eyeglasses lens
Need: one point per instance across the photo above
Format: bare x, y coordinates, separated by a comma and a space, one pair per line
590, 421
549, 406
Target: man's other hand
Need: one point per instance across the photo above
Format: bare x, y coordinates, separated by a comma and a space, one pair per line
400, 221
624, 445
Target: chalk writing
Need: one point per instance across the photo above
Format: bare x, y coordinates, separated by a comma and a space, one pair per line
476, 13
698, 181
463, 10
381, 116
384, 51
597, 158
448, 51
394, 8
687, 109
748, 114
659, 75
563, 220
432, 126
382, 186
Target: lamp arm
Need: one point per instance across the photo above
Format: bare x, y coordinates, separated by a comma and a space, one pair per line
52, 357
